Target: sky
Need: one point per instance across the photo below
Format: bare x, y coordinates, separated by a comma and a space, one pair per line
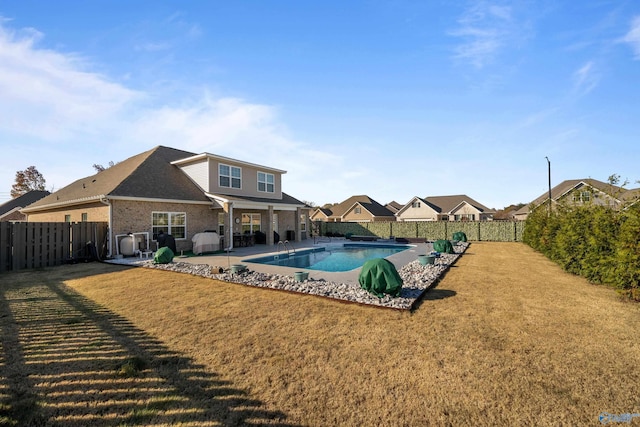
392, 99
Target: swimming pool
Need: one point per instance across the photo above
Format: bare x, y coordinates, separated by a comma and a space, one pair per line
332, 259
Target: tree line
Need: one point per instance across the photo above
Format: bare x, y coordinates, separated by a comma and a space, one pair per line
598, 242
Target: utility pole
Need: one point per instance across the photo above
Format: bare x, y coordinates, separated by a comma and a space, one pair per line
549, 173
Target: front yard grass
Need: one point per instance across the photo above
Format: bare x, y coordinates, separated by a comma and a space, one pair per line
506, 338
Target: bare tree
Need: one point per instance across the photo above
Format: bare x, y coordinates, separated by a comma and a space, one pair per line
27, 180
100, 168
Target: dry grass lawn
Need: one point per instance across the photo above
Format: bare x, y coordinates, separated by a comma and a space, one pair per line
506, 338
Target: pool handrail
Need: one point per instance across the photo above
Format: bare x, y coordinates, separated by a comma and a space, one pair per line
285, 247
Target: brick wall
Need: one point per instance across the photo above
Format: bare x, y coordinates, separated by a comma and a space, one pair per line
96, 212
136, 217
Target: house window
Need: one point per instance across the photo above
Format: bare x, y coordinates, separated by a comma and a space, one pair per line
84, 217
67, 218
415, 204
230, 176
303, 222
582, 196
357, 210
266, 182
173, 223
251, 222
221, 217
464, 217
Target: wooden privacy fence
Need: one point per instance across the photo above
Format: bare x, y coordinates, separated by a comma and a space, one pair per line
26, 245
498, 231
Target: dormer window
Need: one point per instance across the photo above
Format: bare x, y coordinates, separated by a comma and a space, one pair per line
266, 182
229, 176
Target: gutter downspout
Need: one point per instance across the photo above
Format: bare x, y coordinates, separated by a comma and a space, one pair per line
105, 201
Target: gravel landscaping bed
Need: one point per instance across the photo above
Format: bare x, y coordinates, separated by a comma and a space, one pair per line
416, 278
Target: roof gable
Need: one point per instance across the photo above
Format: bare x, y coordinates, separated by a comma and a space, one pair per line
371, 206
410, 204
446, 204
461, 205
321, 212
337, 211
567, 186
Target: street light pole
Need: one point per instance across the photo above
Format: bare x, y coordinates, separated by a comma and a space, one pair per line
549, 173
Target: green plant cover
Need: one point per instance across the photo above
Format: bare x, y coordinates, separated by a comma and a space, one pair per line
443, 246
380, 277
163, 256
460, 236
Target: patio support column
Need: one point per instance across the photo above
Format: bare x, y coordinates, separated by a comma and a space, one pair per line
270, 226
297, 222
228, 235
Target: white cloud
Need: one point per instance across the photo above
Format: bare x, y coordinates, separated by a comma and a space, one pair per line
68, 117
633, 37
485, 29
47, 94
585, 79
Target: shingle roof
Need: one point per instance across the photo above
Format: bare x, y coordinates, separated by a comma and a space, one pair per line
146, 175
393, 206
565, 186
22, 201
630, 195
286, 199
326, 211
445, 204
373, 207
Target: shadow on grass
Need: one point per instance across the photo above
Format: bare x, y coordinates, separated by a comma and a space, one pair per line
66, 361
436, 294
433, 294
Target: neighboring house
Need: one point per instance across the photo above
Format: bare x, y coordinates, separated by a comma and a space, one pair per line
182, 194
393, 206
444, 208
355, 209
321, 214
580, 192
10, 211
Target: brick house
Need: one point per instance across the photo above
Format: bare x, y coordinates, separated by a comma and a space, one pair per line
360, 208
182, 194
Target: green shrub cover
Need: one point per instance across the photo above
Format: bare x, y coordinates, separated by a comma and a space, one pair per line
460, 236
443, 246
163, 256
379, 276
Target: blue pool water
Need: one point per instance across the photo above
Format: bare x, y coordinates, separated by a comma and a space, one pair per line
345, 258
